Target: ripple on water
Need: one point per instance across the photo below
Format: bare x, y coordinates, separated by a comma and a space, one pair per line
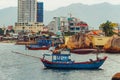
19, 67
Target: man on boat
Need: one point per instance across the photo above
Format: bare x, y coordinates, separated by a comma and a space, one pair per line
55, 50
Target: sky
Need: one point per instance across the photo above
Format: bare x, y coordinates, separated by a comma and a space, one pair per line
54, 4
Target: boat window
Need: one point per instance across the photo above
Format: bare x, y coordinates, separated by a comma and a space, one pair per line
64, 58
58, 58
77, 28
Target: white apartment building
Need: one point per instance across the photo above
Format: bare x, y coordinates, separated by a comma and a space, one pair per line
27, 10
58, 25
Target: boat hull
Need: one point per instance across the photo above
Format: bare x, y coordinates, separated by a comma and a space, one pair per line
37, 48
74, 65
111, 51
83, 51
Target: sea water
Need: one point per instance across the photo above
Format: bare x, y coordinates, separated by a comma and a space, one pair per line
21, 67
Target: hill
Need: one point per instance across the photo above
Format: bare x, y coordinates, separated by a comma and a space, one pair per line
94, 15
8, 16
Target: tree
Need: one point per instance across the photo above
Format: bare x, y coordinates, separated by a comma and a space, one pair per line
107, 28
1, 31
10, 31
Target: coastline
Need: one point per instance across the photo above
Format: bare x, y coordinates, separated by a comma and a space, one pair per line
8, 41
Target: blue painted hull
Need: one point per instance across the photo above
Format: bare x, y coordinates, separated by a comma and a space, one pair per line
37, 47
74, 65
41, 45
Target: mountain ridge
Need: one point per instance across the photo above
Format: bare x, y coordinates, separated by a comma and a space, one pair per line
94, 14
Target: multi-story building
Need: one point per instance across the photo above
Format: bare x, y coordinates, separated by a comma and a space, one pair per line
30, 15
75, 25
29, 27
27, 11
58, 25
40, 12
63, 24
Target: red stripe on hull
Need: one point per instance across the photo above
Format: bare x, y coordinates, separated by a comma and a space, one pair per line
83, 51
40, 48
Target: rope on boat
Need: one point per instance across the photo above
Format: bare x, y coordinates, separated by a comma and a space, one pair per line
114, 60
19, 65
25, 54
39, 57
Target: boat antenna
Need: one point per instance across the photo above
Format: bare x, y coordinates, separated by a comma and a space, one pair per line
97, 52
70, 15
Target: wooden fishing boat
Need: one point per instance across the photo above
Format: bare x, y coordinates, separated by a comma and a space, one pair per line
41, 45
83, 51
62, 61
112, 51
37, 47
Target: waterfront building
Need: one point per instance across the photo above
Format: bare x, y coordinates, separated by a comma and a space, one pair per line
60, 25
40, 11
29, 27
75, 25
30, 16
27, 11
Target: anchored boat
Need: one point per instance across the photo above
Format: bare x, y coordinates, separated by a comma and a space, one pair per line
63, 61
41, 45
83, 51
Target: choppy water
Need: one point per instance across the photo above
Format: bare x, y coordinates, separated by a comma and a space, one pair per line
19, 67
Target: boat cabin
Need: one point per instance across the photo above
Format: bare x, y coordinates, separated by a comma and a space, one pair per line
60, 57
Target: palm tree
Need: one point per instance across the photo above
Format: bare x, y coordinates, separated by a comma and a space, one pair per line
107, 28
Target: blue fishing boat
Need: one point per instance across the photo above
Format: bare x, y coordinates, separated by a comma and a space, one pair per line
44, 44
63, 61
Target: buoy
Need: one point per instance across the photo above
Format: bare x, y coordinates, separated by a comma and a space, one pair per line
116, 76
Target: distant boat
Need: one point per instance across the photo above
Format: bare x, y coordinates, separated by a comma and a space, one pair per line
112, 51
35, 47
62, 61
83, 51
41, 45
44, 43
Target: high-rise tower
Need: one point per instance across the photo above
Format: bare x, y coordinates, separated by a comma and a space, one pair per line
27, 10
30, 16
40, 12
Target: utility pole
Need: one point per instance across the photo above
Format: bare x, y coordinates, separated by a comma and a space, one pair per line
70, 14
118, 30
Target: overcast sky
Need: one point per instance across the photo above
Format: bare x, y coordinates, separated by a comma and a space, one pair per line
54, 4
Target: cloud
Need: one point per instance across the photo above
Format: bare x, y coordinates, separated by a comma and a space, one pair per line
7, 3
54, 4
